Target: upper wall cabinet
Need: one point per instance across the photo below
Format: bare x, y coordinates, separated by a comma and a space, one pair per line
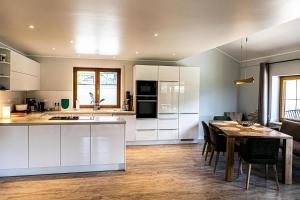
168, 73
189, 90
145, 72
18, 73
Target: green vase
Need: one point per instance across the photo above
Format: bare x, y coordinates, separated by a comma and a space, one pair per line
65, 103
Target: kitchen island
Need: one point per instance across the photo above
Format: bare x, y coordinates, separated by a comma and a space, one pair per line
33, 144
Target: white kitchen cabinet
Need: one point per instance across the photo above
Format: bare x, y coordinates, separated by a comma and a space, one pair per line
167, 123
146, 72
168, 134
168, 73
44, 146
168, 96
143, 135
23, 82
22, 64
13, 147
189, 90
188, 126
130, 126
75, 145
108, 144
146, 124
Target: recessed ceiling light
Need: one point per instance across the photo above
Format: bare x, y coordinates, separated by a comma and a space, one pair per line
174, 54
53, 48
31, 26
71, 41
155, 34
137, 52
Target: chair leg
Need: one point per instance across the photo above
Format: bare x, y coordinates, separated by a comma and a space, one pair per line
211, 155
216, 162
240, 171
204, 147
207, 150
266, 170
248, 176
276, 177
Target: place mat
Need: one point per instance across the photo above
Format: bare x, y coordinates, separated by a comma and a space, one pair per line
229, 129
262, 129
220, 124
230, 122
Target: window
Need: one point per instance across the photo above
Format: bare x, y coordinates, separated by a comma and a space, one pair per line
92, 85
290, 97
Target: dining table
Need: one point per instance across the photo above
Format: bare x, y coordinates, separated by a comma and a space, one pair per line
235, 132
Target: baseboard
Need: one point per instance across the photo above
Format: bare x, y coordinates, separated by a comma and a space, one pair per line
61, 170
158, 142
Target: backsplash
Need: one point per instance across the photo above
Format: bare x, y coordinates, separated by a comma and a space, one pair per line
11, 98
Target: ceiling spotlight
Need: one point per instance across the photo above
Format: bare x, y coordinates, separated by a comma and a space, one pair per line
31, 26
53, 48
155, 34
137, 52
174, 54
71, 41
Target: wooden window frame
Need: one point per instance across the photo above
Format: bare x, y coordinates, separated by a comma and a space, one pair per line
282, 94
97, 85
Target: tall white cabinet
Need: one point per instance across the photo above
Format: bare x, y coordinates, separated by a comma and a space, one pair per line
189, 97
178, 103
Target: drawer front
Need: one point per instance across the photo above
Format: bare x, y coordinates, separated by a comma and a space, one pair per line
168, 124
146, 135
167, 134
146, 124
168, 116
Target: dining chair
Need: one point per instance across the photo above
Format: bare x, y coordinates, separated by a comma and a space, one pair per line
260, 151
218, 144
223, 118
207, 142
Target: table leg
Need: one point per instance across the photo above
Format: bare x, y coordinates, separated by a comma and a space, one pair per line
287, 169
229, 158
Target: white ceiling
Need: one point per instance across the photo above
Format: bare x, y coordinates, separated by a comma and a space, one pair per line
118, 28
275, 41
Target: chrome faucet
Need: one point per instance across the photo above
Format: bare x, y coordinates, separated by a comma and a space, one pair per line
94, 103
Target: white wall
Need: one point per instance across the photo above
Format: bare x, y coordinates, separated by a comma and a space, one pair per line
218, 93
57, 76
248, 93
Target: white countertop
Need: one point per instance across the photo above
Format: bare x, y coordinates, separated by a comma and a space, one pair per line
91, 111
43, 119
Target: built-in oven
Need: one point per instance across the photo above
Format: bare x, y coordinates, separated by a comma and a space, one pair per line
146, 107
146, 99
146, 88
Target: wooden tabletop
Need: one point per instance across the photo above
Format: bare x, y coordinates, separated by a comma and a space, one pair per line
233, 129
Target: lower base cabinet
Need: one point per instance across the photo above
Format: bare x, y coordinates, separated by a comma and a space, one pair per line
44, 146
142, 135
167, 134
13, 147
188, 126
75, 145
107, 144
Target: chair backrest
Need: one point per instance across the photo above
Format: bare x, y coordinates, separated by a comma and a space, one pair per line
262, 150
291, 128
206, 132
235, 116
223, 118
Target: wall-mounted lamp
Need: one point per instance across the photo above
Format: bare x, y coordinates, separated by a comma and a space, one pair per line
6, 112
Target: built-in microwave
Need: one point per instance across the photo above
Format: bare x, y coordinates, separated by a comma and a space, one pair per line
146, 99
146, 88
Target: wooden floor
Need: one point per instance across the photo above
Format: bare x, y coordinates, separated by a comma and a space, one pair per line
153, 172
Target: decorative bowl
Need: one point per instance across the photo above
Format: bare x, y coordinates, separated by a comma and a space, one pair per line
246, 123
